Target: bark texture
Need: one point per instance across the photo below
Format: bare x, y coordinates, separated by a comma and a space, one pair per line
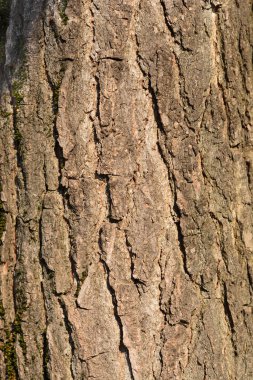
126, 218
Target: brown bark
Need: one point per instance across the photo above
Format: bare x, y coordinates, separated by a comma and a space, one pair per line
126, 190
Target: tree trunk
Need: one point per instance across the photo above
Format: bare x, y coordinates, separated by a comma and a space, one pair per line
126, 219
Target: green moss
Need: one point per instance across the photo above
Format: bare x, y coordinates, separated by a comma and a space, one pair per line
8, 346
62, 11
18, 332
18, 139
10, 355
48, 130
16, 92
2, 311
17, 86
20, 296
4, 114
21, 307
17, 100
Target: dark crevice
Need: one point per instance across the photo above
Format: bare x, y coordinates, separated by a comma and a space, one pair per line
46, 351
46, 357
202, 284
95, 136
72, 248
3, 218
57, 148
100, 241
180, 234
55, 90
161, 354
46, 271
156, 112
112, 58
223, 252
5, 8
97, 117
182, 247
59, 154
164, 314
248, 171
205, 371
98, 89
157, 115
183, 322
162, 154
45, 174
140, 284
74, 273
227, 308
165, 13
176, 209
62, 190
57, 36
69, 331
215, 7
122, 347
106, 179
229, 318
177, 37
250, 279
159, 124
17, 136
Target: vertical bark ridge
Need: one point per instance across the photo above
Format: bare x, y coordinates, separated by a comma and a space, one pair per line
126, 191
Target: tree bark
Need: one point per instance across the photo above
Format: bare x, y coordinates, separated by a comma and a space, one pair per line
126, 218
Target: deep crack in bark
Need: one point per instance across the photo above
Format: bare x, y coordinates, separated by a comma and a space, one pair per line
69, 331
122, 347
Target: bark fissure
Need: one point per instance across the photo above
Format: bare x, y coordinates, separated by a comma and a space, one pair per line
69, 330
55, 92
126, 164
122, 347
164, 314
230, 319
140, 284
181, 240
250, 279
177, 37
171, 176
46, 356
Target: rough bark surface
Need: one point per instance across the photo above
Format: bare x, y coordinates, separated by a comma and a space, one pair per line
126, 225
